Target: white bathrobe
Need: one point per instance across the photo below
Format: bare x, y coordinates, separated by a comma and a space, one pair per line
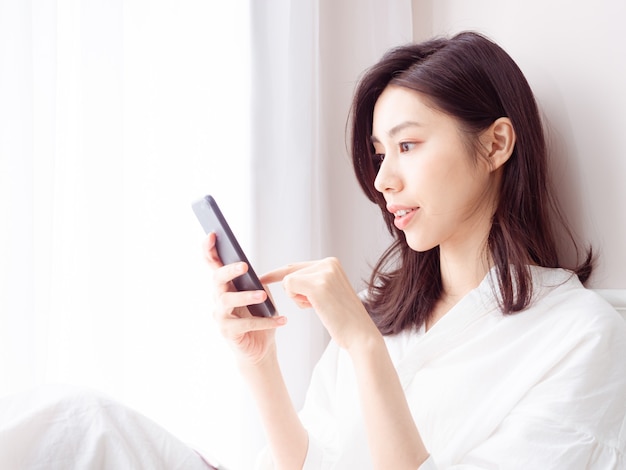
541, 389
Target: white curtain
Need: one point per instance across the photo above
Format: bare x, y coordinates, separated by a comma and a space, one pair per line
307, 57
114, 116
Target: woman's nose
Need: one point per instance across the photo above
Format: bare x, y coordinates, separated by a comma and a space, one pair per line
386, 179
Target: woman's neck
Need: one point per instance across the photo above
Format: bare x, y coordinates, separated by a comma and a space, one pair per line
462, 267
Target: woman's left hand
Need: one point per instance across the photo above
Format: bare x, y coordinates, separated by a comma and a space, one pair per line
324, 286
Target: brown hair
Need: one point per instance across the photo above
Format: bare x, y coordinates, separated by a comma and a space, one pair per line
475, 81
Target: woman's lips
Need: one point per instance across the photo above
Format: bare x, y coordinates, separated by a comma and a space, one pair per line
403, 215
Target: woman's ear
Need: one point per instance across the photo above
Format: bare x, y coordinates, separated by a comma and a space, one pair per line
499, 141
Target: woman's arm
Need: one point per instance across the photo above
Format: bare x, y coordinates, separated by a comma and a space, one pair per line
393, 438
287, 438
253, 342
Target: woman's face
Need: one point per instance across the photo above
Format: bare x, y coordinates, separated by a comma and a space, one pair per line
439, 192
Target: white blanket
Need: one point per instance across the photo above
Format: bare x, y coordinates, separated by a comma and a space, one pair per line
56, 428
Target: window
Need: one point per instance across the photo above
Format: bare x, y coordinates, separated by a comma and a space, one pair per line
120, 114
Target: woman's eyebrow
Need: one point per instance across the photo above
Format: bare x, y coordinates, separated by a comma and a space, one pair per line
397, 128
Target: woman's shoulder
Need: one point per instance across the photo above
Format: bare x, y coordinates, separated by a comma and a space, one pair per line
559, 295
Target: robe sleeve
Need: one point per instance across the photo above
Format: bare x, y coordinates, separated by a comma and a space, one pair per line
319, 415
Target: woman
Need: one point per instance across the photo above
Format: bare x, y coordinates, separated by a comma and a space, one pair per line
473, 346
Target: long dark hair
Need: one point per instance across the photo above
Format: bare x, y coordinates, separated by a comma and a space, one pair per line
475, 81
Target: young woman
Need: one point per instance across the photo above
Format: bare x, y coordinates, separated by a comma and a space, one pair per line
473, 347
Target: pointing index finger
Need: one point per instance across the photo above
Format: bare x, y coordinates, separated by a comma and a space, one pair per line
279, 274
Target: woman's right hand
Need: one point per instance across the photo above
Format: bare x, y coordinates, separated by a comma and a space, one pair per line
252, 338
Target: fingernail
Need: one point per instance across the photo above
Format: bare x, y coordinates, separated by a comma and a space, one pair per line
259, 295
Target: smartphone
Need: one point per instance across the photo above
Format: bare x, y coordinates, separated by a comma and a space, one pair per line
212, 220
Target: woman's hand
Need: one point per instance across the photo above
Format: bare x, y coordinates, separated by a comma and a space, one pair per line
251, 337
324, 286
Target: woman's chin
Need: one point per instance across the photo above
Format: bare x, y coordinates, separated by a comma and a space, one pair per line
419, 245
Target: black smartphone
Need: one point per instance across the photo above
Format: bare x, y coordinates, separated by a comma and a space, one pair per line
212, 220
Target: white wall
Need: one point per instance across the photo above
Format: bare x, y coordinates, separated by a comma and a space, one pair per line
572, 54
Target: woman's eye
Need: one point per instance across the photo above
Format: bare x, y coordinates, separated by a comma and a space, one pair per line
406, 146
